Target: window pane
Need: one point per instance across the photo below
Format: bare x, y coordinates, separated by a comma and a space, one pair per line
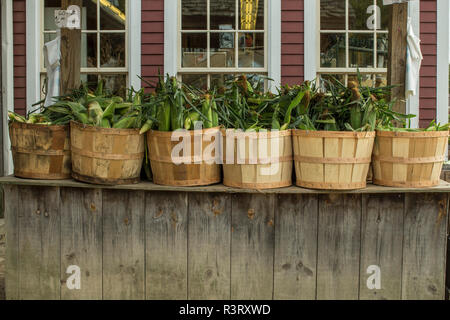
251, 13
218, 80
257, 80
222, 50
251, 50
382, 50
199, 81
115, 84
49, 37
332, 50
381, 80
366, 79
194, 50
89, 15
385, 15
361, 50
112, 50
361, 15
223, 14
89, 50
332, 14
113, 15
90, 79
194, 15
333, 78
49, 14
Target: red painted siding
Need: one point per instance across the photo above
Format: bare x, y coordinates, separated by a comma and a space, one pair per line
428, 78
292, 41
152, 39
19, 29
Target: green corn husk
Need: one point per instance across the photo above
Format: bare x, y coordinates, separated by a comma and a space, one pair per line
109, 111
125, 123
176, 112
215, 115
146, 127
164, 116
16, 117
105, 123
95, 113
207, 112
191, 119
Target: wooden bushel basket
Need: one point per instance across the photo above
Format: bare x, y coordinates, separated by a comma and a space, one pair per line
259, 160
106, 156
409, 159
196, 170
332, 160
40, 152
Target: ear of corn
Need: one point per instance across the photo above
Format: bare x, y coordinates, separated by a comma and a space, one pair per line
16, 117
164, 116
207, 112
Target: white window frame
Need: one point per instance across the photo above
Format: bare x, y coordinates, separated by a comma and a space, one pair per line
34, 38
312, 45
348, 70
172, 44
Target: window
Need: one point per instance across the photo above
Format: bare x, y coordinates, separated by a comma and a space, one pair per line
354, 35
104, 41
218, 39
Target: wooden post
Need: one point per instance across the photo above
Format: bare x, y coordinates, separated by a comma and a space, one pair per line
397, 54
70, 53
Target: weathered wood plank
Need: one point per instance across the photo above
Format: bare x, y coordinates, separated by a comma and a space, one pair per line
12, 241
397, 54
123, 245
296, 227
39, 244
2, 202
166, 243
70, 57
339, 241
382, 245
209, 246
81, 242
252, 247
444, 187
424, 247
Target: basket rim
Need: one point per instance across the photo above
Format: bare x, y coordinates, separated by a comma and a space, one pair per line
333, 134
111, 131
22, 125
267, 134
168, 134
420, 134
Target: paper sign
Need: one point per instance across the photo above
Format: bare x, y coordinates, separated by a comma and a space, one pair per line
70, 18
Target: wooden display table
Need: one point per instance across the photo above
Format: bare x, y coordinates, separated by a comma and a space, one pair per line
151, 242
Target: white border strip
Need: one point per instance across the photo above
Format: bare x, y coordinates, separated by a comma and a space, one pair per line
134, 19
170, 37
311, 41
274, 43
7, 81
443, 9
33, 52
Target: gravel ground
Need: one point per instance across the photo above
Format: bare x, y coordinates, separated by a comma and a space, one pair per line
2, 259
